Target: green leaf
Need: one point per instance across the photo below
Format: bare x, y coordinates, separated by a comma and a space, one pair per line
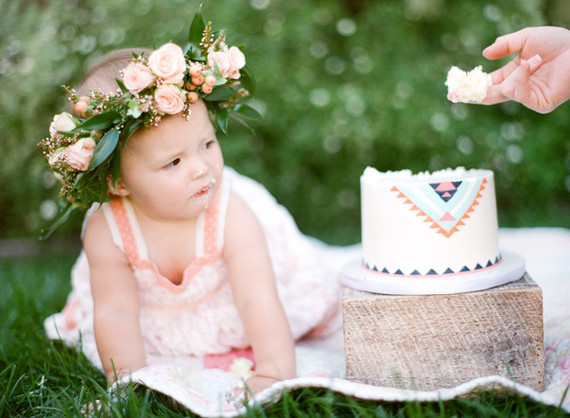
220, 94
101, 121
247, 80
91, 187
116, 167
122, 86
134, 109
222, 119
130, 127
192, 52
61, 219
196, 29
247, 111
235, 116
104, 148
220, 80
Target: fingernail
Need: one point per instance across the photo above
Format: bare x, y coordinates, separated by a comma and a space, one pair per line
534, 62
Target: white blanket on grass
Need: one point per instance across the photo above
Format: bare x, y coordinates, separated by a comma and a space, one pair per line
208, 391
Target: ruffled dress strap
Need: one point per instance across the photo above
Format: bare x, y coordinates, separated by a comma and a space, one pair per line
210, 229
123, 225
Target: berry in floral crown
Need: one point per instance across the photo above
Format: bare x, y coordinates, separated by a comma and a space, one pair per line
85, 151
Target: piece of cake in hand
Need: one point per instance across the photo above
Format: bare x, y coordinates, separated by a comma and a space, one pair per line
467, 87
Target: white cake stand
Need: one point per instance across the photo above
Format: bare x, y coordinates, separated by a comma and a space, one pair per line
510, 269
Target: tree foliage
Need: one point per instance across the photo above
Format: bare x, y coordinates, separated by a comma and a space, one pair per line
341, 85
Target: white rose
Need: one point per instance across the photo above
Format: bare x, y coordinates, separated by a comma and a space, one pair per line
61, 122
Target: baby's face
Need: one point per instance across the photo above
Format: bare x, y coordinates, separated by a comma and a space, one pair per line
173, 171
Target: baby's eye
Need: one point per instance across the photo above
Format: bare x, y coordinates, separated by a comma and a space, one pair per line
173, 163
209, 144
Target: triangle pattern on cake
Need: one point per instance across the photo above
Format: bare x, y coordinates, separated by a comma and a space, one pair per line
444, 205
447, 217
445, 189
433, 271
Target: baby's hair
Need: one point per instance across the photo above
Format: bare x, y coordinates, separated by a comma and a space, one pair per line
102, 74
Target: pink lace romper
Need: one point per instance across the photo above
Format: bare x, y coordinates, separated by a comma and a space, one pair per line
198, 317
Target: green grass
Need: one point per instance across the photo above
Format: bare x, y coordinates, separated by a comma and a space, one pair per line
39, 377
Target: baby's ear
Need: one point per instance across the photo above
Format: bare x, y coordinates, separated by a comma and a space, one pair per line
117, 190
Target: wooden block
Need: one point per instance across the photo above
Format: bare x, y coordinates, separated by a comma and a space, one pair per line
439, 341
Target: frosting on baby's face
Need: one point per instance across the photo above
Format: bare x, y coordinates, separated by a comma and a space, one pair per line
467, 87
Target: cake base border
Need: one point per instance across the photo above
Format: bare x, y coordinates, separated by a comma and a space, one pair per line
510, 269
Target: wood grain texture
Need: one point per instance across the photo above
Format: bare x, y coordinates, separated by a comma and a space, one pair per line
438, 341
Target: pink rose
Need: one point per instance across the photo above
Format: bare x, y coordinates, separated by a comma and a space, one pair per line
229, 61
168, 62
169, 99
55, 158
78, 156
177, 79
61, 122
137, 77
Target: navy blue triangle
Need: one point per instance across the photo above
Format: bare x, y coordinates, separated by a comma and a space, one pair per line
478, 267
398, 272
496, 260
465, 268
375, 268
446, 198
489, 264
415, 272
441, 193
385, 271
448, 271
431, 271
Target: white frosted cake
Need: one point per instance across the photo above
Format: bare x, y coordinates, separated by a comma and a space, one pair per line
428, 234
438, 224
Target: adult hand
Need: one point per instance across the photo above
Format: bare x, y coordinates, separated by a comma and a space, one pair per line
539, 76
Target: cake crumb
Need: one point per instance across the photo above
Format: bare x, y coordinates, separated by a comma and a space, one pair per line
465, 87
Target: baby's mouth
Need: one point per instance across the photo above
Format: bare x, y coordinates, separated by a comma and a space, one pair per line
203, 191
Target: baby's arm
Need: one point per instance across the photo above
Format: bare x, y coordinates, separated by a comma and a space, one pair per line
255, 295
115, 302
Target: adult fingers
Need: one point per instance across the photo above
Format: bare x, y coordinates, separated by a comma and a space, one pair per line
494, 95
516, 86
499, 75
506, 45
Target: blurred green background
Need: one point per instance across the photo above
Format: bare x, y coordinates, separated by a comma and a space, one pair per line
342, 84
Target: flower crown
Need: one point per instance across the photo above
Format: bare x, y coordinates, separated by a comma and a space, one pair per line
84, 151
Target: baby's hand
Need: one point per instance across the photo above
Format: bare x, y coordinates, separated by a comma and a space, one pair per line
254, 385
257, 384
